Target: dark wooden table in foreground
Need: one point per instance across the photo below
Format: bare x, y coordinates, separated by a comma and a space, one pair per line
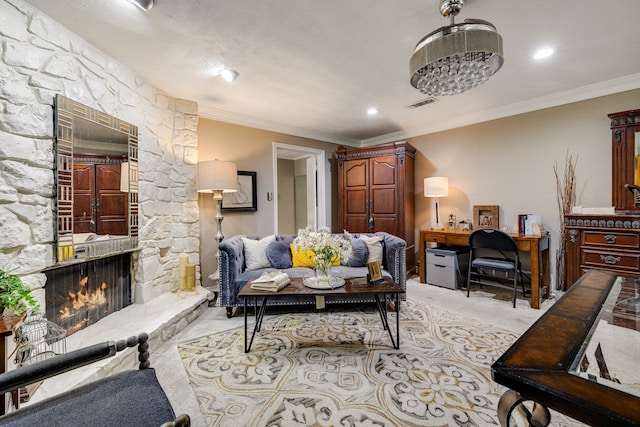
545, 363
352, 286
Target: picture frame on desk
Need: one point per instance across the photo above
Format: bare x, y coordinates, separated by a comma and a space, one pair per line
486, 216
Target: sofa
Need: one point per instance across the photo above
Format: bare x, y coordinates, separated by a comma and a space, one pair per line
238, 266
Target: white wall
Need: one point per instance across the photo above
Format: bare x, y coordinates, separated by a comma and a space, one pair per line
40, 58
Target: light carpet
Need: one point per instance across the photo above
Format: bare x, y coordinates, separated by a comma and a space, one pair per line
339, 369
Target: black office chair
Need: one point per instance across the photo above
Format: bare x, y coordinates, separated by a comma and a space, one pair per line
504, 257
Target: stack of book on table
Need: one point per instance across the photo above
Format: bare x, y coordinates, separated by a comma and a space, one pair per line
271, 281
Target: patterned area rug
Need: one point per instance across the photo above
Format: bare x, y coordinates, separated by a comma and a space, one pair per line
340, 369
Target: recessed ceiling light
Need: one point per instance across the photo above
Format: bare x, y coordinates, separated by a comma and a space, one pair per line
228, 74
372, 111
544, 52
143, 4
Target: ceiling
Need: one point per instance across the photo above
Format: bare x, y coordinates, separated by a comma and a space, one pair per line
312, 68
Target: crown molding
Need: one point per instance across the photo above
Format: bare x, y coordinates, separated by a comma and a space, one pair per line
609, 87
253, 122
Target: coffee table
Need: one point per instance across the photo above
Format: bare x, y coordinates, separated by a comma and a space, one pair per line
352, 286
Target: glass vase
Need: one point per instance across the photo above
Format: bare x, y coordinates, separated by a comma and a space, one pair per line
323, 270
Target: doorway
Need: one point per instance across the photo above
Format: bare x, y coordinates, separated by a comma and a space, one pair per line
299, 188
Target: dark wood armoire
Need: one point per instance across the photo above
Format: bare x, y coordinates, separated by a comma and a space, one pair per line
376, 191
98, 204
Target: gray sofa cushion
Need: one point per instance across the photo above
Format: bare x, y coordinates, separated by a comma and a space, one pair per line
359, 254
279, 254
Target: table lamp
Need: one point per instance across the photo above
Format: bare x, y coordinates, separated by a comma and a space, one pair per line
436, 186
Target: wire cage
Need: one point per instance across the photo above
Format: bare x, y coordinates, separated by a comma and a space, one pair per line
38, 339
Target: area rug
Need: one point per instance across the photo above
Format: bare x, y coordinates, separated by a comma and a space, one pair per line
339, 369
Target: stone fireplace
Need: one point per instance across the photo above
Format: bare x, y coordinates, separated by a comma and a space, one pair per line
80, 294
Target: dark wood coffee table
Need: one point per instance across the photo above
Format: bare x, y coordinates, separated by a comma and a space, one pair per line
352, 286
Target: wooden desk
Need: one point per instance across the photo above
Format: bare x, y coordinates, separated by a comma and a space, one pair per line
538, 247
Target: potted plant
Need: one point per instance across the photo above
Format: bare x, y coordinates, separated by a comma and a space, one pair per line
14, 295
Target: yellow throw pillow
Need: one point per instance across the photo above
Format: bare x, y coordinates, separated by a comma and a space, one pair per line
302, 257
306, 257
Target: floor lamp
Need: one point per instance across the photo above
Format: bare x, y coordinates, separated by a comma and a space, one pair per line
436, 186
217, 177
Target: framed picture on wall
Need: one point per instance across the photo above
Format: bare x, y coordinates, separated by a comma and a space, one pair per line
486, 216
246, 198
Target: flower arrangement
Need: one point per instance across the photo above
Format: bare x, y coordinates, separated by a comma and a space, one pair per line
328, 248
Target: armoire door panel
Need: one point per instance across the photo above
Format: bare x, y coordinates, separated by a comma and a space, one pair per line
356, 202
386, 224
384, 171
83, 198
357, 224
356, 172
112, 203
384, 201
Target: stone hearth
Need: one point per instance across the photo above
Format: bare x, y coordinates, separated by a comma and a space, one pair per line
162, 318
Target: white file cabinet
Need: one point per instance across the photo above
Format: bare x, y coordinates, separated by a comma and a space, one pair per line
447, 267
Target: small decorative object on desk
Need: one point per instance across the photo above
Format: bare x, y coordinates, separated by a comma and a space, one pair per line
271, 281
375, 273
326, 249
465, 225
451, 224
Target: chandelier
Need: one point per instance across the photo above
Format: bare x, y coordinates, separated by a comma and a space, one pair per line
457, 57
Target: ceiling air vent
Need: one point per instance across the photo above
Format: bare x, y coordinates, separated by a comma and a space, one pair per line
425, 101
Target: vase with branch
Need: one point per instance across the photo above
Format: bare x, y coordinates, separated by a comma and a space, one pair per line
566, 192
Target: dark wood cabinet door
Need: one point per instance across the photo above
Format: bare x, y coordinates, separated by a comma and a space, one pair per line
98, 204
111, 203
384, 194
355, 215
83, 198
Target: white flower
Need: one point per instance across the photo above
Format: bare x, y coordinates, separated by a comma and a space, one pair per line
328, 248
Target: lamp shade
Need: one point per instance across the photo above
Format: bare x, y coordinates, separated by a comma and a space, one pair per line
436, 186
216, 175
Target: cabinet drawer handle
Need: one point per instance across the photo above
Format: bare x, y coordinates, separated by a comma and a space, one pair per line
610, 238
610, 259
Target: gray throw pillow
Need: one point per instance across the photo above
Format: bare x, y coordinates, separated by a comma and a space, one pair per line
279, 254
359, 254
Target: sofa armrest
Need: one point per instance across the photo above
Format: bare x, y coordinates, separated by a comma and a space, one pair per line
395, 257
231, 266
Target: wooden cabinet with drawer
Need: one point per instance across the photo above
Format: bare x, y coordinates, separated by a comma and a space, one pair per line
602, 242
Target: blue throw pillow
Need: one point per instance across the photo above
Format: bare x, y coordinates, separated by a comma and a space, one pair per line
359, 254
279, 254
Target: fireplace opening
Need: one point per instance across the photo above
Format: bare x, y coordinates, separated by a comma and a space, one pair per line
78, 295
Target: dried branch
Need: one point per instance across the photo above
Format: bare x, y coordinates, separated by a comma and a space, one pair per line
566, 191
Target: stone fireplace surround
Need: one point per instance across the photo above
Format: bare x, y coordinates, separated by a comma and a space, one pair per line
39, 59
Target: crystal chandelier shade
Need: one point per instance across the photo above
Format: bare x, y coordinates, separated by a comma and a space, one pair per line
457, 57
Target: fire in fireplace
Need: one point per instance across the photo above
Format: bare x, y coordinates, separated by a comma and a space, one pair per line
78, 295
